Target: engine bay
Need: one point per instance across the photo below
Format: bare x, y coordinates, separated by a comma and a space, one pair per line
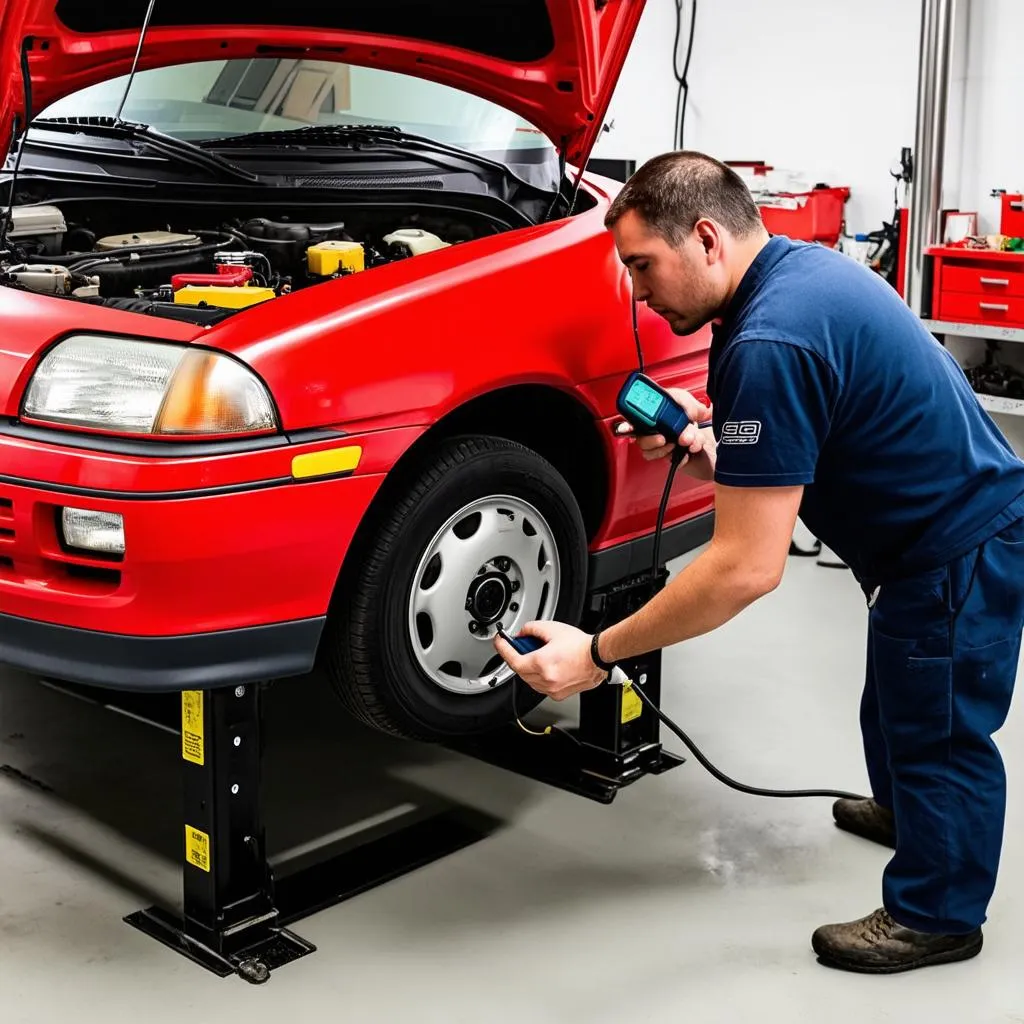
186, 264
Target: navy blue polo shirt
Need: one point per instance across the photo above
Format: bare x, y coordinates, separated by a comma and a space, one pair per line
821, 375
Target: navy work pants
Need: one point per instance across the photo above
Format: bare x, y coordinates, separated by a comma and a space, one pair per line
941, 664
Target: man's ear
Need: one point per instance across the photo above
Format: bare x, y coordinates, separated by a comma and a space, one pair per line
710, 237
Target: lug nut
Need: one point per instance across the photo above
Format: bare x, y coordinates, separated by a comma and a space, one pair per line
474, 626
513, 607
503, 564
469, 603
515, 585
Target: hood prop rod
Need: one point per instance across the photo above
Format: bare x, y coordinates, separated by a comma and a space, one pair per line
135, 62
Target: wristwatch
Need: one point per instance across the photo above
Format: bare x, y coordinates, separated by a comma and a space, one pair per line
595, 656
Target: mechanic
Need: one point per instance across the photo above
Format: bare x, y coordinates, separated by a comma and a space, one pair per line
830, 400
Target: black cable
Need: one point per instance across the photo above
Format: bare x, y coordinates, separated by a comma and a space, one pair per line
636, 338
682, 80
732, 783
678, 454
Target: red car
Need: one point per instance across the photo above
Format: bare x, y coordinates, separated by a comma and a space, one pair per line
312, 336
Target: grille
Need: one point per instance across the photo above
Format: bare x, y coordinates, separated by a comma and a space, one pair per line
6, 518
6, 533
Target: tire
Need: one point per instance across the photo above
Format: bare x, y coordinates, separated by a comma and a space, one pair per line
473, 502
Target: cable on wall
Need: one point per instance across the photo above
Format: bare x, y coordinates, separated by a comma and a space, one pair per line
682, 79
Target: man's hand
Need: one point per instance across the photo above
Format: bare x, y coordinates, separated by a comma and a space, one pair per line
561, 668
697, 442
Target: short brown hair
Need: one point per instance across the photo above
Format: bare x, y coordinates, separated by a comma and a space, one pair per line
673, 191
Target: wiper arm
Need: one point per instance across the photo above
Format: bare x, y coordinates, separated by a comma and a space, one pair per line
353, 135
178, 149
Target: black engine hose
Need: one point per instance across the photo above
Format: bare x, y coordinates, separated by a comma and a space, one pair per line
140, 253
148, 268
118, 278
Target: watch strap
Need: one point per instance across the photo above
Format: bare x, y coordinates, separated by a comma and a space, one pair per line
595, 656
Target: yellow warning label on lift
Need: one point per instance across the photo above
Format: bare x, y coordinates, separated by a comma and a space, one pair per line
197, 848
192, 746
632, 705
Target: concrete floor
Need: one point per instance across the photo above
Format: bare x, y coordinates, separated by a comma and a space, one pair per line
682, 901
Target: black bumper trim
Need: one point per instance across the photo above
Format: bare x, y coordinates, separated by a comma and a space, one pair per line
195, 492
201, 661
634, 557
160, 447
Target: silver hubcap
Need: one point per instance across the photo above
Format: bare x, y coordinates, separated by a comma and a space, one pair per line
493, 563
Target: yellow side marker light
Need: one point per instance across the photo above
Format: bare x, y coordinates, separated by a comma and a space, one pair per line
326, 463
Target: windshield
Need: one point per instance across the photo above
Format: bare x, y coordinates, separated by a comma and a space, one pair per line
214, 99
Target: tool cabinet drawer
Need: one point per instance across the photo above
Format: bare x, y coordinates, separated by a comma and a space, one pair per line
984, 280
957, 307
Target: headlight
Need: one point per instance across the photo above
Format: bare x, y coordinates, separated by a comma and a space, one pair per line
145, 387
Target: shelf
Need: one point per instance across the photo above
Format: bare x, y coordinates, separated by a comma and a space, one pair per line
987, 255
1009, 406
987, 331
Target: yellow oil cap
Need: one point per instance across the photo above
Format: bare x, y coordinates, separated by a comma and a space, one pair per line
327, 258
225, 296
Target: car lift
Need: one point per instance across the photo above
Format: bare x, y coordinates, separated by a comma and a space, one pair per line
235, 914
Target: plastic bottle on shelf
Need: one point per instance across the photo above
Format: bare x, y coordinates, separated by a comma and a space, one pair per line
857, 247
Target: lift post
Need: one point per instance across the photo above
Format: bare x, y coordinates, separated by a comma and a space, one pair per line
229, 920
234, 911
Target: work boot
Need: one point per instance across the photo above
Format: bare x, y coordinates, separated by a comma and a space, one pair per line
877, 944
866, 818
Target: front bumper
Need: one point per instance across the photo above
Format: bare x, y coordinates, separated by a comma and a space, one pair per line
230, 562
160, 663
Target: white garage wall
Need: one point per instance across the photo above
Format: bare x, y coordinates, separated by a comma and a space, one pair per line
824, 89
829, 90
993, 152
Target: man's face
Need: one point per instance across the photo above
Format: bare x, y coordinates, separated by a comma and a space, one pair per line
686, 285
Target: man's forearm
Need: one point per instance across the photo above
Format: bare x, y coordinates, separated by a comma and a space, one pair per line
714, 588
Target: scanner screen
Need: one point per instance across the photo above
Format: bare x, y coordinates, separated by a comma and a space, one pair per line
644, 399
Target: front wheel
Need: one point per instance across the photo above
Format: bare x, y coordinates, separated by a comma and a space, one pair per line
487, 533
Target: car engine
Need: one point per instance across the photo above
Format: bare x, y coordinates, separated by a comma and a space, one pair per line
202, 273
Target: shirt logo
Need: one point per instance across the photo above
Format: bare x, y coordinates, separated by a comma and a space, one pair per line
741, 432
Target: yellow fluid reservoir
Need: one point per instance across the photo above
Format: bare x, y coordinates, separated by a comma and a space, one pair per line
327, 258
225, 296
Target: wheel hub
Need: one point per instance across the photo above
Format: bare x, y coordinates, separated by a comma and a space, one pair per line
489, 597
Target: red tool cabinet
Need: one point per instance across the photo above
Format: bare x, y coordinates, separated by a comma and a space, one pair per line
976, 286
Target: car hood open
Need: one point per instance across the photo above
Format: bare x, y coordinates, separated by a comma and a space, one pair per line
553, 62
